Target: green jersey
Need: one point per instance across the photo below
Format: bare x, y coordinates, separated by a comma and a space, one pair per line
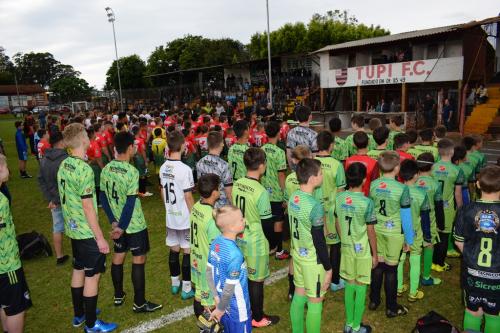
434, 194
419, 205
428, 149
354, 212
374, 153
351, 149
333, 180
304, 213
119, 180
389, 197
448, 175
415, 152
75, 180
473, 159
9, 250
338, 152
235, 159
469, 173
292, 185
158, 146
253, 201
275, 163
481, 159
390, 139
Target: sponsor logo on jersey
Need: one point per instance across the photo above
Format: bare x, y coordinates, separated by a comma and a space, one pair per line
487, 221
217, 248
383, 185
296, 199
303, 252
442, 168
421, 183
348, 200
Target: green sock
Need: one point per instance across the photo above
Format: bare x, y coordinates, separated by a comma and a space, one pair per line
491, 324
359, 306
313, 318
428, 253
297, 313
401, 268
472, 322
414, 273
350, 289
451, 246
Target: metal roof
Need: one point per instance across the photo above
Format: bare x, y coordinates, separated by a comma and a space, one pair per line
11, 89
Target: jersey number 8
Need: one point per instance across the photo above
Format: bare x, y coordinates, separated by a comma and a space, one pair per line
484, 258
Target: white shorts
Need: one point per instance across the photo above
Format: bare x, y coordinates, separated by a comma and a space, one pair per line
178, 238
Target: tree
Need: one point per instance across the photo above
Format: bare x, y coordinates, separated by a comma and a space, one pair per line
132, 72
70, 88
6, 68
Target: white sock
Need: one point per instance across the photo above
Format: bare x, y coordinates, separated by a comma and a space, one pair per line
176, 282
186, 286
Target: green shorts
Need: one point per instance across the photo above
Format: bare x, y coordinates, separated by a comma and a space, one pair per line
449, 218
257, 267
331, 235
203, 294
310, 277
357, 269
389, 247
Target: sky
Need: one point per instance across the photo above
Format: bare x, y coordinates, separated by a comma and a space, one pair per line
77, 32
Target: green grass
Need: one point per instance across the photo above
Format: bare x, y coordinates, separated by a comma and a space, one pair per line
50, 292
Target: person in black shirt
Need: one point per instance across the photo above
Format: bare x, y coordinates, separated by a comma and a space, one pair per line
429, 106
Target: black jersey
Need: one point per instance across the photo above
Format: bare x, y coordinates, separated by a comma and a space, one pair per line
477, 226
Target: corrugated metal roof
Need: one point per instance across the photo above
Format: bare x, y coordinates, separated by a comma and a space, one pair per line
23, 89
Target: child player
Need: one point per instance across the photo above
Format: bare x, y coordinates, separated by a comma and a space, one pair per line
79, 206
335, 127
158, 146
237, 150
253, 200
427, 144
355, 224
357, 124
302, 134
360, 140
312, 269
176, 180
460, 158
120, 186
203, 232
477, 236
401, 146
395, 124
380, 135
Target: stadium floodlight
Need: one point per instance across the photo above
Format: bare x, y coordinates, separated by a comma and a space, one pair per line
111, 18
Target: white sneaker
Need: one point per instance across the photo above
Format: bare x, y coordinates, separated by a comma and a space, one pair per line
147, 194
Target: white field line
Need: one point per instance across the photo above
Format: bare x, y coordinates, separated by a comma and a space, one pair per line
154, 324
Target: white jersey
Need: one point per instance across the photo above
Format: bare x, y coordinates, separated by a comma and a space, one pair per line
176, 178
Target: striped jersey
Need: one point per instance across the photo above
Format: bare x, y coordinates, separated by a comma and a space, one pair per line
216, 165
419, 205
434, 194
275, 163
235, 159
301, 135
9, 250
338, 152
333, 179
428, 149
448, 175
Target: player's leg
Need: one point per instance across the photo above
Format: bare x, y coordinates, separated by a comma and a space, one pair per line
259, 266
15, 323
393, 253
349, 304
314, 275
57, 235
77, 282
473, 319
348, 273
299, 300
337, 283
173, 242
362, 280
402, 287
491, 323
427, 279
291, 285
377, 274
187, 290
90, 291
14, 300
415, 262
121, 247
440, 253
3, 319
279, 217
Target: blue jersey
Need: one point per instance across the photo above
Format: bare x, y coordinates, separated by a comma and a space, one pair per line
228, 266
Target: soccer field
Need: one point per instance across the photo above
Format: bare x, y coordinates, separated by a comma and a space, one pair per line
50, 292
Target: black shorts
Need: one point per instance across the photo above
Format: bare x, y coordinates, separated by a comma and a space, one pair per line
473, 302
278, 211
14, 293
86, 256
137, 243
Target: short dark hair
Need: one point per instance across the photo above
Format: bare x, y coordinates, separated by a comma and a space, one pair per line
359, 120
97, 127
41, 132
440, 131
272, 128
306, 169
380, 134
175, 141
18, 123
302, 113
355, 174
122, 141
239, 127
425, 162
157, 132
444, 146
360, 139
426, 134
214, 139
397, 120
400, 140
119, 126
324, 140
207, 184
489, 179
468, 142
408, 169
459, 154
253, 158
412, 135
335, 124
55, 138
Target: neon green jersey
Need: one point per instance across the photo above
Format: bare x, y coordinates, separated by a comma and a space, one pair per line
158, 146
235, 159
469, 172
304, 212
9, 250
333, 180
390, 139
419, 205
375, 153
75, 180
481, 159
338, 152
473, 159
448, 175
275, 163
415, 152
434, 194
119, 180
292, 185
351, 149
428, 149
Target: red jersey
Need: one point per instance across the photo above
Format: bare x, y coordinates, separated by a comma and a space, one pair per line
42, 146
144, 134
404, 156
285, 128
140, 145
202, 142
169, 121
94, 150
260, 139
230, 140
101, 140
190, 147
371, 165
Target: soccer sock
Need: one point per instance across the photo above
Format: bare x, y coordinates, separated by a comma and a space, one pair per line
291, 285
142, 185
278, 239
256, 291
376, 283
297, 313
186, 268
77, 297
173, 264
491, 324
335, 262
268, 228
90, 308
117, 278
472, 322
414, 272
428, 252
139, 282
350, 290
390, 287
98, 197
401, 270
313, 318
198, 308
451, 246
440, 250
359, 306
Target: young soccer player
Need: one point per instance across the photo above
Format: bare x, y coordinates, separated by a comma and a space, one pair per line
158, 146
43, 144
427, 183
120, 184
393, 229
357, 124
439, 133
102, 141
274, 182
141, 161
22, 149
333, 182
380, 135
253, 200
227, 270
478, 145
94, 158
356, 218
395, 124
401, 145
412, 137
460, 159
14, 293
79, 206
470, 145
237, 150
361, 139
338, 152
420, 210
260, 137
450, 177
203, 232
476, 235
302, 134
177, 183
312, 269
426, 145
214, 164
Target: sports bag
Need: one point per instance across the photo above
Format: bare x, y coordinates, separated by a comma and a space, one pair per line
33, 244
433, 322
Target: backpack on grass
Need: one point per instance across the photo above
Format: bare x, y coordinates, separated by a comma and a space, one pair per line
32, 244
433, 322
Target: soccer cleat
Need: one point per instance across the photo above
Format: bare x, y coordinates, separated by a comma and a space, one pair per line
336, 287
146, 307
418, 296
439, 268
208, 326
431, 281
373, 306
453, 254
62, 260
175, 289
26, 176
272, 251
266, 321
282, 255
118, 301
187, 295
363, 329
78, 321
401, 310
402, 290
101, 326
347, 329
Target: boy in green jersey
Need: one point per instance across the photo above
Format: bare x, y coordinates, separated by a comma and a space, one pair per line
120, 185
355, 224
394, 229
412, 150
478, 145
451, 178
380, 136
14, 293
395, 124
460, 159
237, 150
274, 182
426, 182
312, 269
338, 151
253, 201
78, 201
357, 124
426, 145
439, 133
203, 232
420, 210
333, 182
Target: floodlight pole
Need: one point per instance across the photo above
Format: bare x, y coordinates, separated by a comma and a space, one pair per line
111, 18
269, 56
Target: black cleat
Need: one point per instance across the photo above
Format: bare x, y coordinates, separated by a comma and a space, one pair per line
373, 306
401, 310
118, 301
146, 307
